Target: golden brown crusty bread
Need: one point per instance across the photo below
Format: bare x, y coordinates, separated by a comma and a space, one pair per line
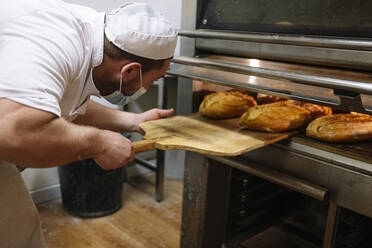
351, 127
276, 117
316, 110
226, 104
266, 99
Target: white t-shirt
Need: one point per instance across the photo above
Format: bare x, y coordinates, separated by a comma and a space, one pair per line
48, 49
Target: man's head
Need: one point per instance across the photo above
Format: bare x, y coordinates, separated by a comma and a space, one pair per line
137, 38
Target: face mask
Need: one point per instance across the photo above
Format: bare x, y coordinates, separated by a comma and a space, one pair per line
118, 98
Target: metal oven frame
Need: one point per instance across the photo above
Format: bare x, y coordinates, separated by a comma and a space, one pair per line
326, 176
207, 178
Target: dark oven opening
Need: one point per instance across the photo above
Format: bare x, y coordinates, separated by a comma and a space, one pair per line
302, 17
264, 215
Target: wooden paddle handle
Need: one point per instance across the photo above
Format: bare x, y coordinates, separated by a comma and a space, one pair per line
144, 145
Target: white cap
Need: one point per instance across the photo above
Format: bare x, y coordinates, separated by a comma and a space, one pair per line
141, 30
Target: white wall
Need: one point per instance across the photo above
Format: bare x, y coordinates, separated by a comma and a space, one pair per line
170, 8
36, 179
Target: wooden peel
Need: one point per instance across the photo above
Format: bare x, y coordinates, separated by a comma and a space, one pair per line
146, 145
199, 134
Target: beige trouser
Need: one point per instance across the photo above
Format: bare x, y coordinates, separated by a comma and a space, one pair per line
19, 221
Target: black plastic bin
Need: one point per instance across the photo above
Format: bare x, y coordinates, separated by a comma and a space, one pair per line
89, 191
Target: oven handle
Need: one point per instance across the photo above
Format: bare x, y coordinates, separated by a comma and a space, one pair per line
350, 44
315, 191
320, 81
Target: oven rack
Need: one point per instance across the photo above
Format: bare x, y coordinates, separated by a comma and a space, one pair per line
346, 94
302, 82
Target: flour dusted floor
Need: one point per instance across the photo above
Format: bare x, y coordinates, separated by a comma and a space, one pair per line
141, 222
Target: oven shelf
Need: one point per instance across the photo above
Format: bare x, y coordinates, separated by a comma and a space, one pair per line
336, 88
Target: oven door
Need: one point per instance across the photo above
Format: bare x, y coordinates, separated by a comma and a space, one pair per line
340, 18
331, 33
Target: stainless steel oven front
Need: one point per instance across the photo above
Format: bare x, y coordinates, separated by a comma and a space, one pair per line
314, 51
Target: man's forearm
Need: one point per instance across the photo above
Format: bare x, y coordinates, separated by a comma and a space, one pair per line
28, 142
106, 118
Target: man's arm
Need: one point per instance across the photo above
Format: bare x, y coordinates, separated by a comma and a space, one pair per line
110, 119
33, 138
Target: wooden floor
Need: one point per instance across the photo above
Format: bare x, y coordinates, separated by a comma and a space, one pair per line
141, 222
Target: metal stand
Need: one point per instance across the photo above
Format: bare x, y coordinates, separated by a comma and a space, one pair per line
158, 168
204, 202
331, 226
159, 184
206, 196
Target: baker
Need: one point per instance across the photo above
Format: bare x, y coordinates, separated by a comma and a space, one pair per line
53, 57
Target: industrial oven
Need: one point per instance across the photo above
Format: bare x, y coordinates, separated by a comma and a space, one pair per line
299, 192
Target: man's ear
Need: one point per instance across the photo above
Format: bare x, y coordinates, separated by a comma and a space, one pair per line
130, 71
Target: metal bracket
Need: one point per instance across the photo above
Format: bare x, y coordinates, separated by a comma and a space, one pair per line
350, 101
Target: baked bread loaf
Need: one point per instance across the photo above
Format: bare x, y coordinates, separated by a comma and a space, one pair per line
266, 99
316, 110
276, 117
226, 104
351, 127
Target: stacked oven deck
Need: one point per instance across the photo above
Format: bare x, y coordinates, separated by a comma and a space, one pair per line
295, 193
289, 194
299, 193
261, 213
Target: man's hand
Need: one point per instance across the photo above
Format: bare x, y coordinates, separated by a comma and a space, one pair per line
118, 151
151, 115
